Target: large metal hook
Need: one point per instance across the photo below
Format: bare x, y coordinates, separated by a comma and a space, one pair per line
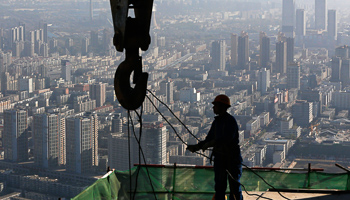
130, 98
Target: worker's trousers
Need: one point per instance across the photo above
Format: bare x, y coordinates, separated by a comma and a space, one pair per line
221, 177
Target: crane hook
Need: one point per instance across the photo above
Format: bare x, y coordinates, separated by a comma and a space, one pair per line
130, 98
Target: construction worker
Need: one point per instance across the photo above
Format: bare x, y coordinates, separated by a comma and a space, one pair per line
223, 137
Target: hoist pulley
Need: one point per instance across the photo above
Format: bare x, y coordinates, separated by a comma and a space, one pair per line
131, 34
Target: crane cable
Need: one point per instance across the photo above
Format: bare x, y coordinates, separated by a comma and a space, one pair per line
199, 140
143, 155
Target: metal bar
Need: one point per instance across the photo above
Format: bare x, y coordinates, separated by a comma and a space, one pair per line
341, 167
254, 168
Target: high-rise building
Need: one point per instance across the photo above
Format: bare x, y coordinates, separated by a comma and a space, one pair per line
218, 53
293, 75
288, 17
15, 135
21, 33
44, 50
69, 43
264, 80
53, 43
118, 150
97, 92
62, 138
300, 23
243, 50
28, 49
281, 57
148, 106
321, 14
82, 145
32, 36
16, 49
153, 143
45, 37
26, 84
84, 46
265, 52
91, 11
66, 70
302, 113
167, 89
342, 52
117, 124
24, 30
290, 49
41, 35
37, 46
94, 39
46, 140
234, 44
332, 27
107, 39
345, 72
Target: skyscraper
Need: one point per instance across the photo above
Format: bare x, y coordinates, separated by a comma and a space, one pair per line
24, 30
118, 151
336, 67
45, 37
66, 70
82, 145
342, 52
44, 50
345, 72
167, 89
293, 75
153, 143
84, 46
332, 27
46, 140
288, 17
15, 136
91, 11
281, 57
98, 92
321, 14
302, 113
117, 124
264, 51
94, 39
218, 54
243, 50
290, 49
69, 43
21, 33
264, 80
300, 23
234, 45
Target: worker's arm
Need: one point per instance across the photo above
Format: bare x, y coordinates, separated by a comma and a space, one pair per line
208, 142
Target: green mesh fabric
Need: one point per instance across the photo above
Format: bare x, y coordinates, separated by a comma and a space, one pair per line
198, 183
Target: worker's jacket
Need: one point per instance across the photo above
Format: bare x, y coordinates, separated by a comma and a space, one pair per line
223, 136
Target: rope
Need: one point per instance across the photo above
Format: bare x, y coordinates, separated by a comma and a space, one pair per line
143, 155
188, 130
129, 151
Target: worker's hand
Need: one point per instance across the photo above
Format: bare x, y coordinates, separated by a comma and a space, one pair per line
205, 146
208, 144
193, 148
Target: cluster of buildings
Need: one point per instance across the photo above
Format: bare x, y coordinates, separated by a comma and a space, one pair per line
59, 116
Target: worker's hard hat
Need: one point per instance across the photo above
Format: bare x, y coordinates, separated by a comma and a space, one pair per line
222, 99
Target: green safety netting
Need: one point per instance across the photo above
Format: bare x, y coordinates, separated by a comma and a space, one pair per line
198, 183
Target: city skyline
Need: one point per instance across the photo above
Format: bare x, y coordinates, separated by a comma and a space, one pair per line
286, 73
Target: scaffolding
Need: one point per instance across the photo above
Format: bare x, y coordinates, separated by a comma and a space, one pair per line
191, 182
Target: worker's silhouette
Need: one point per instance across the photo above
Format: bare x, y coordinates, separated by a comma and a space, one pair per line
223, 136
